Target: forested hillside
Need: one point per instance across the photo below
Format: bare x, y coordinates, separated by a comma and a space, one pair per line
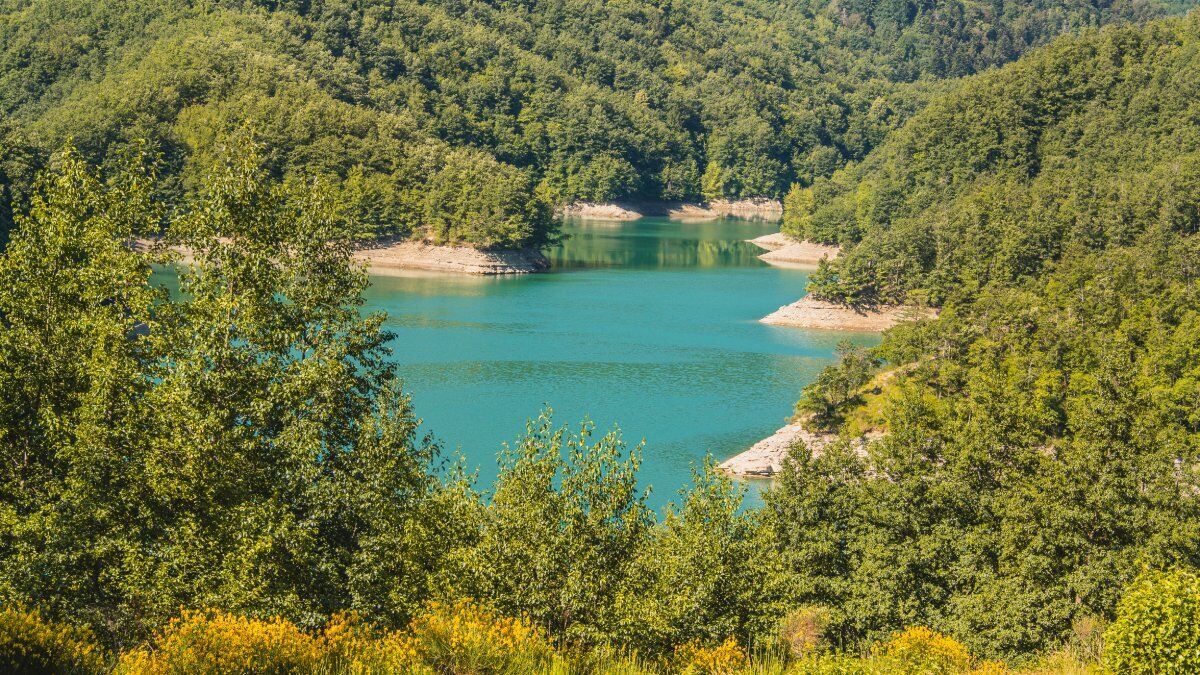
1042, 436
231, 477
407, 103
1082, 146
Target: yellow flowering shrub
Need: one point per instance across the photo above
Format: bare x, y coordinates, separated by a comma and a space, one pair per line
692, 658
353, 647
31, 644
465, 637
921, 650
215, 642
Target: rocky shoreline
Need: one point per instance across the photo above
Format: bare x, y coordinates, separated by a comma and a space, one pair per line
784, 251
765, 458
601, 211
749, 209
383, 257
808, 312
412, 255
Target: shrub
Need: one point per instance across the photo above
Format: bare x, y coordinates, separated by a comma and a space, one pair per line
466, 637
351, 646
694, 659
921, 650
990, 668
31, 644
212, 642
1157, 628
803, 630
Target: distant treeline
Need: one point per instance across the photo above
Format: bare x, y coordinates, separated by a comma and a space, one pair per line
429, 114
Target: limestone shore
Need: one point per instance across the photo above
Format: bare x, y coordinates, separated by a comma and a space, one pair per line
602, 211
759, 208
765, 458
808, 312
625, 210
391, 257
412, 255
784, 251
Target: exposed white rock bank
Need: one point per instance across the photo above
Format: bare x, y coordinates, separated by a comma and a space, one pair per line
808, 312
601, 211
412, 255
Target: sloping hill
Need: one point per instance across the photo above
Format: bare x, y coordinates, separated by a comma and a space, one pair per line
589, 100
1082, 145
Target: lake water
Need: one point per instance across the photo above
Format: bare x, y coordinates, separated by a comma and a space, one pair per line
651, 325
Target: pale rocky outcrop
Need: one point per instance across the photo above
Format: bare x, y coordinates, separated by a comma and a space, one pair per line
692, 213
808, 312
600, 211
753, 209
784, 251
766, 209
772, 242
765, 458
411, 255
384, 257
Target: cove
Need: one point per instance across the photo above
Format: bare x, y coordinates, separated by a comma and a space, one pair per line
651, 325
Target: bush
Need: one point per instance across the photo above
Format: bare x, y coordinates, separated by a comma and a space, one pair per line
466, 637
32, 645
693, 659
803, 630
1157, 628
920, 650
212, 642
352, 646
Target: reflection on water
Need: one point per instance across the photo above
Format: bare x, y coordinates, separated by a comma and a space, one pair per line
658, 242
651, 324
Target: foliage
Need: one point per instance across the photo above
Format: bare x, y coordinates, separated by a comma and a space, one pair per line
922, 650
350, 645
694, 659
243, 445
223, 643
565, 521
465, 637
1157, 625
29, 644
837, 387
995, 182
802, 631
698, 576
1041, 434
593, 102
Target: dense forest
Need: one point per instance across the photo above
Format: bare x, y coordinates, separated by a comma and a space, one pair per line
1042, 435
1086, 145
429, 115
230, 478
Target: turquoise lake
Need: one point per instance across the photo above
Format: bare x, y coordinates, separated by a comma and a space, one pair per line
651, 325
